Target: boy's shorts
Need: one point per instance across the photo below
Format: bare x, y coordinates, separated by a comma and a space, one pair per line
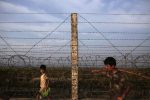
44, 94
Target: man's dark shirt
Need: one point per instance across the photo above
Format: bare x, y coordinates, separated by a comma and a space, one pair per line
118, 83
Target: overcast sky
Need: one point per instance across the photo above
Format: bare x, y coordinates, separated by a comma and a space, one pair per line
127, 29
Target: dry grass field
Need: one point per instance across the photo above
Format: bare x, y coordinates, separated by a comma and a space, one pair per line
16, 83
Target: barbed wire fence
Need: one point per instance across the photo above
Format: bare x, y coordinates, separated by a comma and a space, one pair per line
8, 49
30, 43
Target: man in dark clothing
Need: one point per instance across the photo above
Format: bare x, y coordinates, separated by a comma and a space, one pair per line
119, 86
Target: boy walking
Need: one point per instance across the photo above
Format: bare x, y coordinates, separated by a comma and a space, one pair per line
44, 91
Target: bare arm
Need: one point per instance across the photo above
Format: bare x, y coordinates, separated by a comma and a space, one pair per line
47, 82
36, 79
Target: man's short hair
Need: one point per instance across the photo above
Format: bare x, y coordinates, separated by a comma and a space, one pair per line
110, 61
43, 67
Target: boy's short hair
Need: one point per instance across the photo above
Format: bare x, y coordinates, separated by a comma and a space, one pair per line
43, 67
110, 61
